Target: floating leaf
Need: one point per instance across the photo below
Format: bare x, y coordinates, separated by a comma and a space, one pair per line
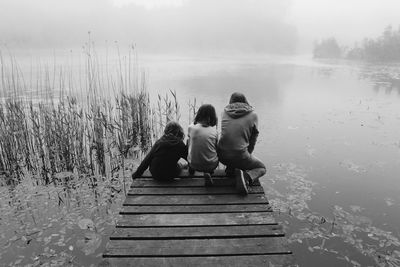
86, 224
351, 166
89, 242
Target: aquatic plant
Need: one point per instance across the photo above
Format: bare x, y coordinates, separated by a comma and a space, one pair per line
85, 125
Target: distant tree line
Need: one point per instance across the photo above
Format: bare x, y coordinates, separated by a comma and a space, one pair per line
386, 48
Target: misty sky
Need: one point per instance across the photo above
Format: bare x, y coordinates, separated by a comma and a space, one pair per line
164, 26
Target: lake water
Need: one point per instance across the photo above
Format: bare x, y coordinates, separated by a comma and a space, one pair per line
329, 135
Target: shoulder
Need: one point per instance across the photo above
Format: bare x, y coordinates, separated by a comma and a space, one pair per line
252, 118
192, 128
254, 115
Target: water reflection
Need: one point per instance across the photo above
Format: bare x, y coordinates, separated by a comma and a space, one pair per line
384, 78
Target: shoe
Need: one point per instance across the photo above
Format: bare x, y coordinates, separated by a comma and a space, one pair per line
230, 172
249, 181
241, 186
253, 182
207, 179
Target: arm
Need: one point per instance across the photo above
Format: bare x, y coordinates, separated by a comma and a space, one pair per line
254, 135
144, 164
188, 141
184, 151
216, 137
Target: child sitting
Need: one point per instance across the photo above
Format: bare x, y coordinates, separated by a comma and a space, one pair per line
163, 157
202, 143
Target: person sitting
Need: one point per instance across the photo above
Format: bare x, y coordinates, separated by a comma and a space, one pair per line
202, 143
162, 160
238, 137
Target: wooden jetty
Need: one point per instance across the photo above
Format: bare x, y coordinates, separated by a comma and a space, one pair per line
184, 223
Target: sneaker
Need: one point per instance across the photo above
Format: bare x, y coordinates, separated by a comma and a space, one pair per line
241, 186
247, 178
230, 172
208, 180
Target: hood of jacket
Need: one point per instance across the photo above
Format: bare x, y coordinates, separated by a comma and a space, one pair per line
237, 110
169, 140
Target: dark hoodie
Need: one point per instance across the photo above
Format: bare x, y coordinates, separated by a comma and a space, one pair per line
238, 130
163, 158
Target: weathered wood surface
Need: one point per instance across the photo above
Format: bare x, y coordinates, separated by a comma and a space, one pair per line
197, 219
185, 174
191, 190
183, 223
197, 232
204, 261
197, 247
233, 208
186, 200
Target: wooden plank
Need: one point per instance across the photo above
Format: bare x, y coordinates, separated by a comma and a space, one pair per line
195, 209
231, 261
184, 200
187, 182
192, 191
196, 247
183, 223
146, 220
192, 181
199, 232
185, 174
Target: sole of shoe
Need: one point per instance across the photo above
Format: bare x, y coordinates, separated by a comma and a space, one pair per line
241, 186
208, 180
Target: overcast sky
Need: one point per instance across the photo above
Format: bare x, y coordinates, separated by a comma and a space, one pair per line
163, 26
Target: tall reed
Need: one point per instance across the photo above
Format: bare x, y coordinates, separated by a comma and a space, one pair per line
84, 123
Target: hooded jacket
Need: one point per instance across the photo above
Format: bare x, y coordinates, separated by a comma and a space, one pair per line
238, 130
163, 158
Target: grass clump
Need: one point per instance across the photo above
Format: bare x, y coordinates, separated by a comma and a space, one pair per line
77, 123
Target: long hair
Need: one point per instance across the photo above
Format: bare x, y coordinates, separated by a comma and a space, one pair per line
175, 129
206, 116
238, 98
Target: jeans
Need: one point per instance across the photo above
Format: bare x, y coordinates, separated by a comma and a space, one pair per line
245, 162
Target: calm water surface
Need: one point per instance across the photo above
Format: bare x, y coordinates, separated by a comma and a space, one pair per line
330, 137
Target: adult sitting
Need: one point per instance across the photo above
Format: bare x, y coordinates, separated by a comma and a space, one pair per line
238, 137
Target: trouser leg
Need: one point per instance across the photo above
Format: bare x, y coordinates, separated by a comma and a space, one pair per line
254, 168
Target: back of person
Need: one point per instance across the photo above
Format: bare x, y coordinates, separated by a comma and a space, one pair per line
162, 160
238, 137
203, 139
238, 124
166, 154
202, 154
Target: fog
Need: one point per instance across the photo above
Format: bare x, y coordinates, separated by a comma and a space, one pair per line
204, 26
